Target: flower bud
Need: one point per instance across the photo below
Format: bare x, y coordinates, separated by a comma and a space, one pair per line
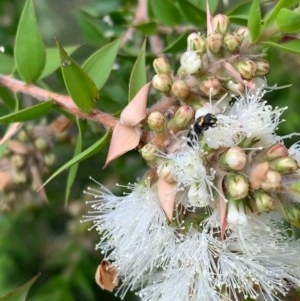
19, 178
149, 152
263, 201
292, 212
232, 42
284, 165
183, 117
180, 89
272, 181
210, 86
235, 158
262, 67
243, 32
220, 23
162, 83
196, 43
157, 122
236, 213
164, 171
235, 87
247, 69
161, 65
237, 186
190, 62
214, 42
277, 150
197, 199
41, 144
18, 160
49, 159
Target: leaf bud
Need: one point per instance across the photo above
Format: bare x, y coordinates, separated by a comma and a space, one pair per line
196, 43
157, 122
180, 89
262, 67
190, 62
232, 42
210, 86
161, 65
272, 181
162, 83
237, 186
214, 42
220, 24
264, 202
183, 117
246, 68
234, 158
149, 152
277, 150
284, 165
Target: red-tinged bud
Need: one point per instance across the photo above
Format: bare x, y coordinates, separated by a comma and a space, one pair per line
272, 181
196, 43
149, 152
214, 42
157, 122
180, 89
190, 62
277, 150
262, 67
284, 165
234, 159
161, 66
162, 83
264, 202
247, 69
220, 24
183, 117
210, 86
232, 42
235, 87
237, 186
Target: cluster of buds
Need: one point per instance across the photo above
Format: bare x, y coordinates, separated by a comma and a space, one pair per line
220, 62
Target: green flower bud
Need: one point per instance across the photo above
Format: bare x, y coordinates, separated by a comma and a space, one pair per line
157, 122
49, 159
18, 160
232, 42
19, 178
284, 165
277, 150
237, 186
210, 86
149, 152
220, 24
161, 65
272, 181
190, 62
41, 144
243, 32
292, 212
162, 83
180, 89
263, 201
262, 67
183, 117
247, 69
234, 159
164, 171
196, 43
214, 42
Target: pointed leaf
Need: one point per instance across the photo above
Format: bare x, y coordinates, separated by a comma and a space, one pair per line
30, 53
30, 113
135, 111
80, 86
166, 195
124, 139
291, 46
99, 65
53, 59
92, 150
7, 64
254, 20
81, 125
13, 129
138, 74
106, 276
288, 20
192, 13
19, 293
178, 45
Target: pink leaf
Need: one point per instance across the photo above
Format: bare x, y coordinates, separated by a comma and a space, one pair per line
208, 20
13, 129
135, 111
124, 139
106, 276
222, 208
166, 195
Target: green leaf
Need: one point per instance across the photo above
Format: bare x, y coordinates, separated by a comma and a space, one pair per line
178, 45
19, 293
254, 20
213, 4
92, 150
291, 46
165, 12
138, 74
30, 53
191, 13
99, 64
149, 28
73, 169
241, 11
288, 20
30, 113
80, 86
296, 186
7, 64
53, 59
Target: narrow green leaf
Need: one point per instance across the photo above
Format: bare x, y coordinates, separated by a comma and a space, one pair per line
138, 74
53, 60
30, 53
177, 45
241, 11
148, 28
30, 113
81, 125
291, 46
92, 150
192, 13
19, 293
254, 20
288, 20
165, 12
80, 86
99, 64
7, 64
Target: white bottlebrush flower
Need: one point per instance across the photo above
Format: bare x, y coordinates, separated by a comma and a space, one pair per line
190, 62
294, 151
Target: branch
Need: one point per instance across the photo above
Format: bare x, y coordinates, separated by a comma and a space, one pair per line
63, 101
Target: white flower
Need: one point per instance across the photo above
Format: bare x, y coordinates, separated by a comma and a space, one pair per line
294, 151
190, 62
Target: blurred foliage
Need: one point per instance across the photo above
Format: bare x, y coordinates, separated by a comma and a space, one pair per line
48, 238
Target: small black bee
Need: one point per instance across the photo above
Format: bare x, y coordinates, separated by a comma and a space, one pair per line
200, 125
